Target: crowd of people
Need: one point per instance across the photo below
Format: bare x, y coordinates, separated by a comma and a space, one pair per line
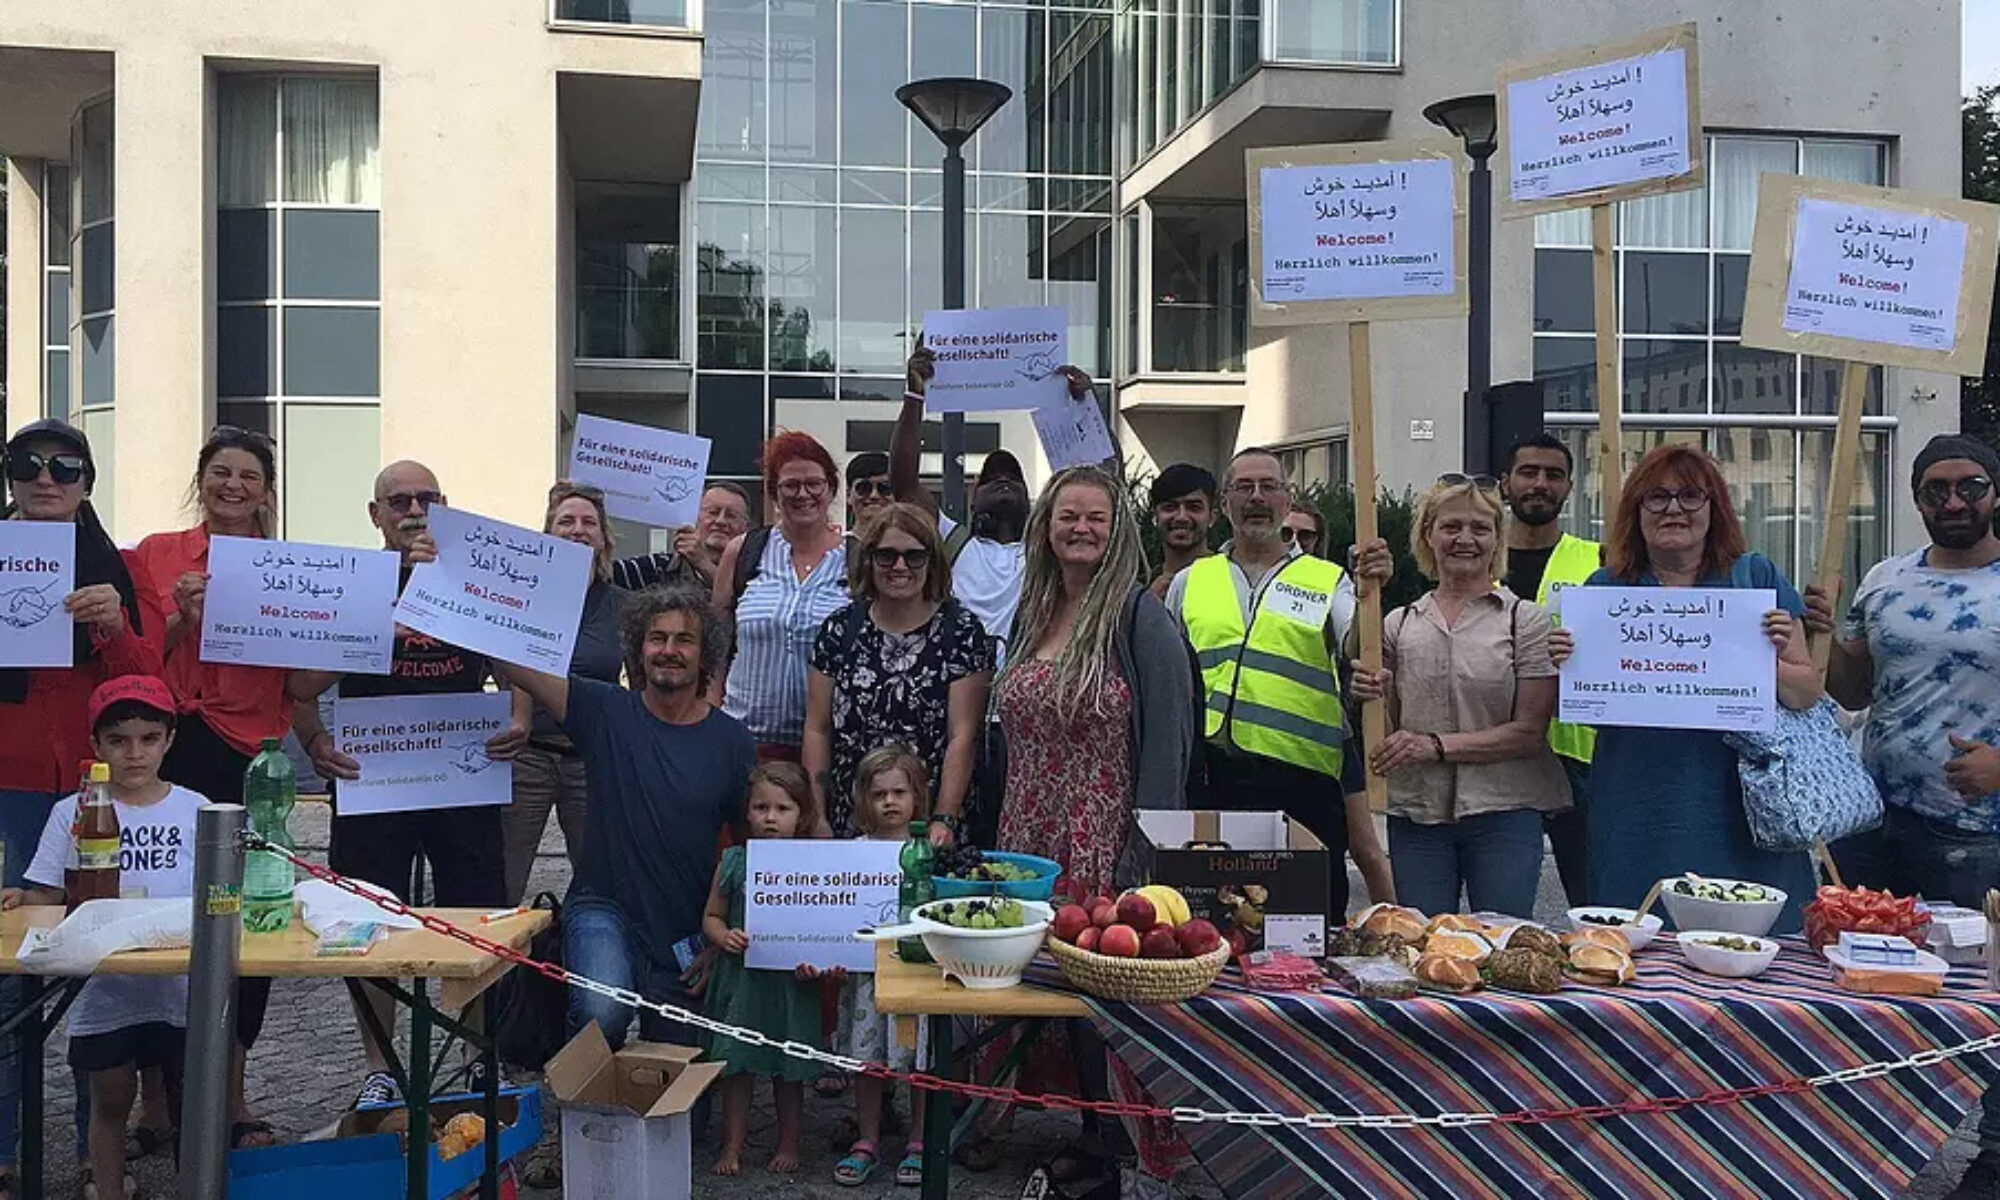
1023, 680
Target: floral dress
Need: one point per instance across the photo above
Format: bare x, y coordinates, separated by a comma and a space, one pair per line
893, 687
1069, 783
774, 1003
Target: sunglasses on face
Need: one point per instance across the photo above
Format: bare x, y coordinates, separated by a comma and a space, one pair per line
1304, 537
886, 557
1660, 499
26, 466
403, 502
1485, 483
867, 488
1936, 493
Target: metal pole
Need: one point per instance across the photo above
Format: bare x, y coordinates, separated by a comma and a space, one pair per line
1479, 320
954, 297
211, 1030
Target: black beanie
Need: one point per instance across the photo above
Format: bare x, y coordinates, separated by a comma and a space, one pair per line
1946, 446
1181, 478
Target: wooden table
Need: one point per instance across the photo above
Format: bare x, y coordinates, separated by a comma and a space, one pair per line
419, 955
910, 989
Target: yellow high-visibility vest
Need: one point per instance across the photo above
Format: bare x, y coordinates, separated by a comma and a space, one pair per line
1275, 688
1573, 561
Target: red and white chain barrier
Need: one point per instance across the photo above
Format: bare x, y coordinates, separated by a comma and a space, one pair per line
932, 1083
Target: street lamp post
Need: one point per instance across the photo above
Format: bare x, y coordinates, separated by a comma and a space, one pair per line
953, 109
1473, 119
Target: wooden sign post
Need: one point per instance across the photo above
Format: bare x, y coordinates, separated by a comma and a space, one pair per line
1355, 233
1594, 126
1871, 276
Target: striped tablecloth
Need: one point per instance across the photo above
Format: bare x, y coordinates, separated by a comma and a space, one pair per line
1671, 1032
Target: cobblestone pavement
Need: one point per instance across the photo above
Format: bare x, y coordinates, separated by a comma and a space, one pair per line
308, 1063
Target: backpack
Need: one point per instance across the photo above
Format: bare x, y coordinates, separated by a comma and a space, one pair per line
750, 557
528, 1014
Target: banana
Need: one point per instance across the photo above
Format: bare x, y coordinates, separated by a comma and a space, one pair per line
1171, 906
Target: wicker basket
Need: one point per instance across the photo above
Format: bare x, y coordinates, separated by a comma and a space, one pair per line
1138, 980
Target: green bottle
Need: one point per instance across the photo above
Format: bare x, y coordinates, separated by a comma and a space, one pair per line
916, 888
270, 788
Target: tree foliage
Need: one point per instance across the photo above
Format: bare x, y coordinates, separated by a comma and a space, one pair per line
1979, 403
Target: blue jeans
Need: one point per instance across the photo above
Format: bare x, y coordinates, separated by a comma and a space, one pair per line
600, 943
22, 816
1913, 855
1496, 857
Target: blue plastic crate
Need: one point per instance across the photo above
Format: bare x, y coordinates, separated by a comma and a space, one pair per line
364, 1163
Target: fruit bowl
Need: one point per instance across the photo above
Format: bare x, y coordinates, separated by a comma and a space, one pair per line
1138, 980
978, 958
1042, 887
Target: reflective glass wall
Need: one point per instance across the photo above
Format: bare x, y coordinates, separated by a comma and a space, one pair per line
818, 206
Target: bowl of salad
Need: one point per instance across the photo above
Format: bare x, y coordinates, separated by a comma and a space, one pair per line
1721, 905
1730, 955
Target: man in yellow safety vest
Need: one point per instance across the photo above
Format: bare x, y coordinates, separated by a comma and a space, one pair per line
1266, 622
1542, 560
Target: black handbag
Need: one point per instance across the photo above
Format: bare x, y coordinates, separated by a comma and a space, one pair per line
527, 1012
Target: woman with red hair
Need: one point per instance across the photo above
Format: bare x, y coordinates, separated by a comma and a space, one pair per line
1664, 801
779, 584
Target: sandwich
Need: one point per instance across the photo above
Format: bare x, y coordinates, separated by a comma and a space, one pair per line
1448, 973
1459, 943
1597, 935
1406, 923
1448, 921
1524, 971
1535, 938
1594, 963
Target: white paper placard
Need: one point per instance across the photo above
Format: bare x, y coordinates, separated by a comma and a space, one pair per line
648, 475
507, 592
803, 898
1360, 231
37, 570
298, 604
1670, 658
419, 752
990, 359
1073, 432
1875, 275
1608, 125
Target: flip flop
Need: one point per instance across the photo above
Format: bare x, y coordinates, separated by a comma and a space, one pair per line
857, 1166
252, 1135
910, 1172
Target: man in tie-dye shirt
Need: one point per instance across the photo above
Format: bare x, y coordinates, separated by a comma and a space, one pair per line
1921, 651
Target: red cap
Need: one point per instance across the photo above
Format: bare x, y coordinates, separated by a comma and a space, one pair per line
146, 689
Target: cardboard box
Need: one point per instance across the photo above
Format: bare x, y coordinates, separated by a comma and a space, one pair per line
362, 1159
625, 1125
1957, 935
1260, 870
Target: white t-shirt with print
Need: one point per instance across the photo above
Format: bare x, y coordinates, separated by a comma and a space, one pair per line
987, 579
155, 861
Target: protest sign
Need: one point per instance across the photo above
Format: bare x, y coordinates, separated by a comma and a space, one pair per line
297, 604
37, 570
650, 475
1073, 432
504, 591
1670, 658
804, 898
418, 752
996, 358
1601, 123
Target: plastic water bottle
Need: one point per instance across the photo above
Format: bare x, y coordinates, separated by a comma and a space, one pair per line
916, 888
270, 788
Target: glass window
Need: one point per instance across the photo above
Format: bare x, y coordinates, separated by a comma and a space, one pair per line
1567, 370
869, 186
57, 329
1570, 227
873, 61
1080, 284
1758, 465
260, 417
246, 342
1821, 392
1868, 514
926, 265
729, 411
331, 453
1732, 280
873, 265
1564, 292
332, 255
1753, 381
1134, 304
728, 181
1677, 220
56, 228
730, 286
1011, 51
97, 349
101, 427
331, 141
1666, 293
944, 41
246, 255
1200, 268
1009, 261
672, 14
730, 122
55, 384
98, 269
628, 272
1333, 31
246, 140
801, 281
1655, 371
95, 152
333, 352
804, 101
1846, 161
1736, 164
805, 185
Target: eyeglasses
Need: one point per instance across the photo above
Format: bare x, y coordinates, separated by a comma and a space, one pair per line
864, 489
25, 466
802, 487
1691, 499
886, 557
1935, 493
403, 502
1304, 537
1485, 483
1251, 487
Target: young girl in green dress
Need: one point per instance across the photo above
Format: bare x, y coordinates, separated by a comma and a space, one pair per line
783, 1005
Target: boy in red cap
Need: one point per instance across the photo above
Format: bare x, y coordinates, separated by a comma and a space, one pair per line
121, 1025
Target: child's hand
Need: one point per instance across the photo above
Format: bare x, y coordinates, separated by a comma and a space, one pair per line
807, 973
10, 898
735, 941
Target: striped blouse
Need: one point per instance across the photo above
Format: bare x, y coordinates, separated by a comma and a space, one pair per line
777, 618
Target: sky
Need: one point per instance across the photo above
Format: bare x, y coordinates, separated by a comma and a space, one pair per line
1982, 43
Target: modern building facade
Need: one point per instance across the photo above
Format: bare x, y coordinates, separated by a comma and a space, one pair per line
440, 231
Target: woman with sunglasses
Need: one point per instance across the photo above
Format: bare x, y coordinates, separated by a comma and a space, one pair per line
548, 772
903, 664
795, 580
1664, 801
1470, 687
44, 725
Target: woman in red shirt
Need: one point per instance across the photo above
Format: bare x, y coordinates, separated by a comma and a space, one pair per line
226, 710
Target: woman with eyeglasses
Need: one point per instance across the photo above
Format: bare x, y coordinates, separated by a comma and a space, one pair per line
795, 579
548, 772
1665, 801
903, 664
1466, 673
44, 725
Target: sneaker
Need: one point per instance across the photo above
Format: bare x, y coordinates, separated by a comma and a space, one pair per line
1981, 1180
377, 1090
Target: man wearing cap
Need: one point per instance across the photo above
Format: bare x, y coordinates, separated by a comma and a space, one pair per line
1919, 651
1183, 511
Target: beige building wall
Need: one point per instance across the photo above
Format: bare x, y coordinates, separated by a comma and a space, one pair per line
473, 339
26, 319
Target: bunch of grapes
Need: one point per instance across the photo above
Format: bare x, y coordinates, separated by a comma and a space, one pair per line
969, 862
979, 914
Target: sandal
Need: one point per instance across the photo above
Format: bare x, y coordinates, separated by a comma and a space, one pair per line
144, 1142
857, 1166
910, 1172
832, 1084
129, 1190
251, 1135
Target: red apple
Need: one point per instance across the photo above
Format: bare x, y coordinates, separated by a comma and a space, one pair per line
1159, 942
1239, 943
1086, 939
1197, 937
1070, 921
1137, 911
1103, 914
1119, 941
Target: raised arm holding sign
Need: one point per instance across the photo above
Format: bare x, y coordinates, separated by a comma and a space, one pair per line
507, 592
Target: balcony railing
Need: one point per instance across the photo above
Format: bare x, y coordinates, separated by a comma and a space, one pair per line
658, 14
